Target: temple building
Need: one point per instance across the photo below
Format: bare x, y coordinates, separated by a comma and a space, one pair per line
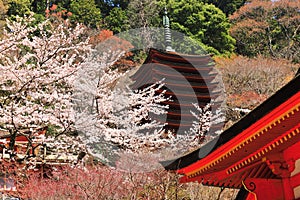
258, 155
188, 80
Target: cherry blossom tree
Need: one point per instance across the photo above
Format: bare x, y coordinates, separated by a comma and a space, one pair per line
110, 115
53, 75
41, 63
201, 125
38, 63
131, 126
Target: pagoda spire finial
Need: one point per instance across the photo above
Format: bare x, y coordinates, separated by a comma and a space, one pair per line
166, 23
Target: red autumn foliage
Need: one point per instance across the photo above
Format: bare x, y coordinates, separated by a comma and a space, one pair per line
125, 62
107, 40
68, 183
53, 7
59, 15
100, 182
103, 35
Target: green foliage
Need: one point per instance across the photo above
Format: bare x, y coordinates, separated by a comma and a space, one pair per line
104, 6
18, 7
203, 22
227, 6
107, 5
117, 20
63, 4
86, 12
52, 130
38, 6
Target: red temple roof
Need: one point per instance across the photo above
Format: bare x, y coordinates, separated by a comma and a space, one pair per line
259, 150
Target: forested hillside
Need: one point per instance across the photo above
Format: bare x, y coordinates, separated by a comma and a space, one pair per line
249, 28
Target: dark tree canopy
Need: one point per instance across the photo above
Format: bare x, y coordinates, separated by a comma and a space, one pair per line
204, 21
227, 6
117, 20
107, 5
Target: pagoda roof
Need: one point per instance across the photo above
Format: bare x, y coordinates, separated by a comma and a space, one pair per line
246, 149
187, 79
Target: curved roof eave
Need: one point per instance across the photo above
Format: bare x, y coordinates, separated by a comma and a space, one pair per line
271, 103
